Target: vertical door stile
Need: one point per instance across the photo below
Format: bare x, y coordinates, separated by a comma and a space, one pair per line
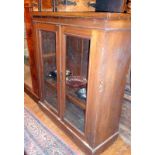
58, 64
62, 71
48, 56
41, 65
38, 58
75, 60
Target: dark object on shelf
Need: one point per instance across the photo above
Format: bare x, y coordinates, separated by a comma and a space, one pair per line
26, 59
53, 74
54, 4
68, 73
128, 6
110, 5
92, 4
76, 81
82, 93
68, 2
40, 5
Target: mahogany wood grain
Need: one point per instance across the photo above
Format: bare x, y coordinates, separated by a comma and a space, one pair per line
29, 37
107, 83
30, 93
109, 59
99, 15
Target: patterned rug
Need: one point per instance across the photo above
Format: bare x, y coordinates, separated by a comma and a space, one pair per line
39, 140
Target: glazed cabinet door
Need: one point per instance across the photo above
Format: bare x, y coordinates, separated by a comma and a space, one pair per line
75, 66
48, 65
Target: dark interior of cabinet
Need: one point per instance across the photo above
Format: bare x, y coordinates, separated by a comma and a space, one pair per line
48, 48
77, 59
77, 55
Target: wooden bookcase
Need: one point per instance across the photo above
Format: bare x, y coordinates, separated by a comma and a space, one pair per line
96, 47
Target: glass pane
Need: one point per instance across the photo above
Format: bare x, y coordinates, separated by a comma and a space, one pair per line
27, 73
77, 59
48, 42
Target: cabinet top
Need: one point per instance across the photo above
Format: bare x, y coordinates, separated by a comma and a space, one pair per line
98, 15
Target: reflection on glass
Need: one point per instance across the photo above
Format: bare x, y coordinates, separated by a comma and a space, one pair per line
27, 74
77, 59
48, 43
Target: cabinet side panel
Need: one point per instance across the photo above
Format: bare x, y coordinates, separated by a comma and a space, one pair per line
109, 64
31, 50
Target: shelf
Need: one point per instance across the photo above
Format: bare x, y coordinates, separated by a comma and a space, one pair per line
51, 82
49, 55
75, 116
70, 94
75, 100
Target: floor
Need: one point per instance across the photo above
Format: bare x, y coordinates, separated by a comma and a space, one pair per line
118, 148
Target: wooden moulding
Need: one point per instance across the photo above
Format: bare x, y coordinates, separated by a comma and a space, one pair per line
116, 21
87, 24
30, 93
74, 135
97, 15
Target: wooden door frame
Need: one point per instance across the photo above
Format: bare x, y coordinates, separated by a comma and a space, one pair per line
29, 38
38, 27
76, 32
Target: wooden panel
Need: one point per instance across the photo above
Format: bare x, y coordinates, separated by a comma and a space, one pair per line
87, 24
32, 60
46, 4
107, 81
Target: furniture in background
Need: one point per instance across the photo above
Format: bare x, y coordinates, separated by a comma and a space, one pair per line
111, 5
128, 8
65, 5
88, 53
30, 71
81, 5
